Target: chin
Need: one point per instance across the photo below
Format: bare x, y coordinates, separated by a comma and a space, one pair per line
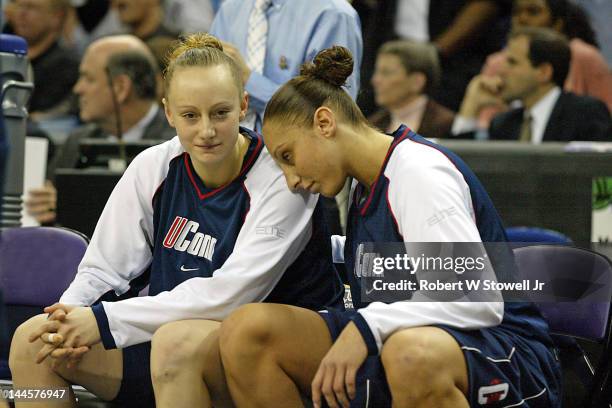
331, 192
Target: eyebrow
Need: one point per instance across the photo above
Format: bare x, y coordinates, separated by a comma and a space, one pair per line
224, 102
217, 105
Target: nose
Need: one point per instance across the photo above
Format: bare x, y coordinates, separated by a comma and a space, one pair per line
375, 79
292, 179
77, 87
207, 130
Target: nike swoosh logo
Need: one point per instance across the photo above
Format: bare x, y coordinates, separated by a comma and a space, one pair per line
188, 269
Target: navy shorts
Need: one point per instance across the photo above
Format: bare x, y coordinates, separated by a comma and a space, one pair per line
136, 387
504, 369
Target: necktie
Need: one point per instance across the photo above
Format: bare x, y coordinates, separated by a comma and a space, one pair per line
258, 34
256, 51
525, 135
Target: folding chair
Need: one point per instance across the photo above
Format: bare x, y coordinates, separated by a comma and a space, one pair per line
581, 281
536, 235
36, 265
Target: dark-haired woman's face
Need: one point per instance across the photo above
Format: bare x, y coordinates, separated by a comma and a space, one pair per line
531, 13
309, 161
205, 106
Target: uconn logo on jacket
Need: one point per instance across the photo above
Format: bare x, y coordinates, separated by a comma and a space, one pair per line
196, 227
180, 238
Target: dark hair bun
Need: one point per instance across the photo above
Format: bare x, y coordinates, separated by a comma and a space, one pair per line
333, 65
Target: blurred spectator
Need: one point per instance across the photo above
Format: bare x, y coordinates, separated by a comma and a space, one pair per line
55, 68
600, 14
190, 16
8, 15
97, 18
536, 67
463, 31
120, 65
160, 46
144, 18
406, 72
284, 47
589, 73
271, 39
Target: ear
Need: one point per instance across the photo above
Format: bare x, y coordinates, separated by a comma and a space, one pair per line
325, 122
244, 105
168, 112
545, 72
418, 82
123, 87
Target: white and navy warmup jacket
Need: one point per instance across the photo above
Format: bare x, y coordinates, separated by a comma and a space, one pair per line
203, 252
418, 180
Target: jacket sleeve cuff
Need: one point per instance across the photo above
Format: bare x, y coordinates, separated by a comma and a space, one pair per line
105, 333
366, 333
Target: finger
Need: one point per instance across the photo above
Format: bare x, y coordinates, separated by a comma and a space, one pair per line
44, 352
315, 388
37, 204
49, 326
58, 314
338, 387
327, 387
61, 353
72, 340
59, 356
40, 209
51, 189
47, 217
76, 356
54, 307
52, 338
492, 85
351, 381
79, 352
39, 192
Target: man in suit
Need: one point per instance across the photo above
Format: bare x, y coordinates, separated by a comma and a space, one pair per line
463, 31
117, 90
537, 63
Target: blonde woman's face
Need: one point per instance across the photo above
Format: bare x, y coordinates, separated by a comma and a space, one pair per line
205, 107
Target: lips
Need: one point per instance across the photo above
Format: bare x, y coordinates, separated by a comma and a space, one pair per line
207, 147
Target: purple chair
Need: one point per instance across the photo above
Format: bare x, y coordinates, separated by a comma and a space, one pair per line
578, 304
36, 265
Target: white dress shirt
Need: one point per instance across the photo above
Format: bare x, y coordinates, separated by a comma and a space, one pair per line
412, 20
136, 132
540, 114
